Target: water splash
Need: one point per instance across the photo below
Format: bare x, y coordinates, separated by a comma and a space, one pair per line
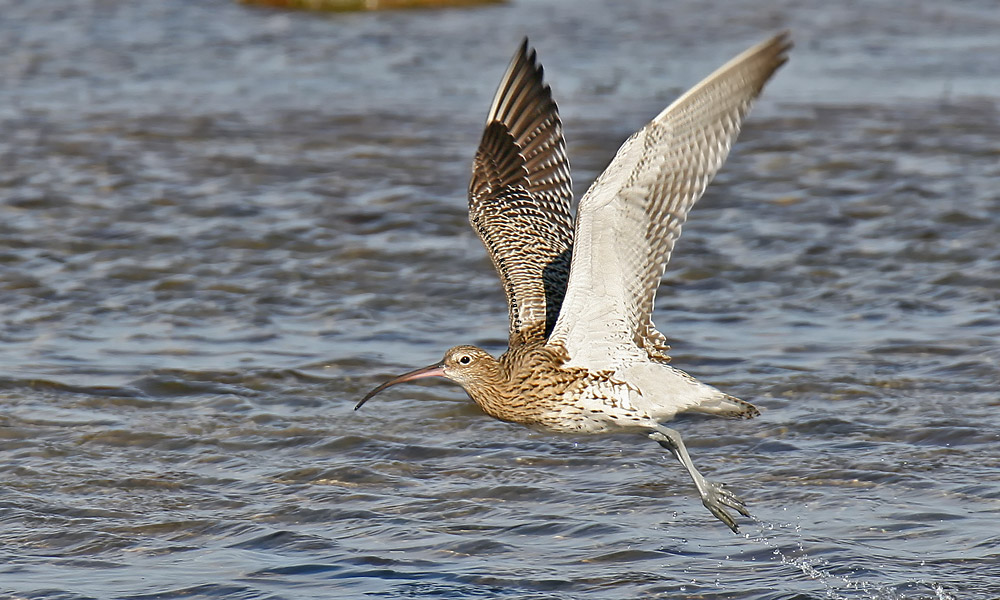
836, 586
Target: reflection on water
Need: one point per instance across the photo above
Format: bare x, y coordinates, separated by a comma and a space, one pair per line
222, 225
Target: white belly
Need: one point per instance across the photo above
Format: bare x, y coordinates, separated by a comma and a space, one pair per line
638, 396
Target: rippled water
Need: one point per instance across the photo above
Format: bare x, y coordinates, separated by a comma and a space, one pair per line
219, 226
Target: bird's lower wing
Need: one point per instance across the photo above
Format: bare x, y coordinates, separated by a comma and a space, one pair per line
631, 216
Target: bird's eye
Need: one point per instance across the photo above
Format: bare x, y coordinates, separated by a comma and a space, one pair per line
464, 359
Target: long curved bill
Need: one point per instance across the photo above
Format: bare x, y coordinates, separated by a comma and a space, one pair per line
431, 371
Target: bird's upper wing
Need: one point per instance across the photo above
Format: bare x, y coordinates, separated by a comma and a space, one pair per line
519, 198
631, 216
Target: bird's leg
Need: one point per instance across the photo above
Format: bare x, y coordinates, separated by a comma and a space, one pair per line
714, 496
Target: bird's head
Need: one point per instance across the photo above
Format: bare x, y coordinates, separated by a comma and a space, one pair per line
465, 365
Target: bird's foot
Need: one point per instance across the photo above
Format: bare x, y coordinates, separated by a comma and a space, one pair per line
716, 497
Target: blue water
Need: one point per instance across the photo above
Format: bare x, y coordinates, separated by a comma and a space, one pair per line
221, 225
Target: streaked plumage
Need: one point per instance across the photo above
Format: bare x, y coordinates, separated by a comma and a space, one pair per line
584, 354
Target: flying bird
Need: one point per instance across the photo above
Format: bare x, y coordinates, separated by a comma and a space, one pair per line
584, 355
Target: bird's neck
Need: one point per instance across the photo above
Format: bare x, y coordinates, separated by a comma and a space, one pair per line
514, 388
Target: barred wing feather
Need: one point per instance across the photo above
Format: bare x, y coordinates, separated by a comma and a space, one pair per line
630, 218
520, 195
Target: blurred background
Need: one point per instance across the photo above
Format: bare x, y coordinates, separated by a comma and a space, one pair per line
221, 224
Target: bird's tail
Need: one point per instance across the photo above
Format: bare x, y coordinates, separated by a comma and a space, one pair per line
725, 405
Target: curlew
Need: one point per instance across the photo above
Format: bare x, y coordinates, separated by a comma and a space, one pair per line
584, 355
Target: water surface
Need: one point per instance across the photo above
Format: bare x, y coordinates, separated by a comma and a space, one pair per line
221, 225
